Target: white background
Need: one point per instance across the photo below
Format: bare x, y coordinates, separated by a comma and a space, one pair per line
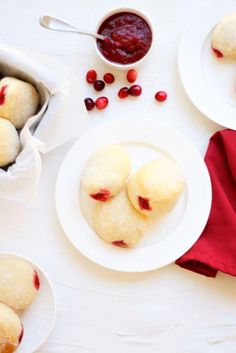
169, 310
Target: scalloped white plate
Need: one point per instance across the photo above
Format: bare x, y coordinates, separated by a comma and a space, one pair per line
209, 82
39, 319
168, 238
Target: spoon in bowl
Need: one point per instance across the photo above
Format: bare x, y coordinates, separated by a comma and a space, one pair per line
57, 24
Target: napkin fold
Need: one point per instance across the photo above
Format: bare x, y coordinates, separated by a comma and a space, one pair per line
215, 250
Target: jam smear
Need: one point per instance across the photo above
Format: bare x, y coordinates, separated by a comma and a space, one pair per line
144, 203
36, 280
120, 243
3, 94
217, 53
103, 195
128, 38
21, 334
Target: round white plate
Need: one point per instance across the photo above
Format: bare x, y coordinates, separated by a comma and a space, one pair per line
167, 239
209, 82
39, 319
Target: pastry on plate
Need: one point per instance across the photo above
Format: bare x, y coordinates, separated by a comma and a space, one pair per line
19, 284
106, 172
117, 221
19, 101
9, 143
155, 188
223, 37
11, 330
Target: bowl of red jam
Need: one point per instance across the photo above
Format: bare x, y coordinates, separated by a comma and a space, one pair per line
128, 38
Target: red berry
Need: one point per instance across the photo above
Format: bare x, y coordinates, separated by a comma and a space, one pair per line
123, 92
21, 334
36, 280
217, 53
102, 195
109, 78
98, 85
91, 76
135, 90
101, 102
89, 103
120, 243
132, 75
161, 96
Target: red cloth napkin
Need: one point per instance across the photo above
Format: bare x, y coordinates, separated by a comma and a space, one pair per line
215, 250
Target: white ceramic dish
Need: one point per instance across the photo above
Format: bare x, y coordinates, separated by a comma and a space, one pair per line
117, 65
209, 82
173, 235
39, 319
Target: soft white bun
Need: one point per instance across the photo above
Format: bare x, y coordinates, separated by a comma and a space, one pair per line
18, 284
106, 172
19, 101
10, 330
118, 221
9, 143
155, 188
223, 36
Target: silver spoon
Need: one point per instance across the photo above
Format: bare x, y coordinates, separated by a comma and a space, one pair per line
56, 24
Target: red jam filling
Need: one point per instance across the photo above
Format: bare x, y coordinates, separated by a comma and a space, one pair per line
120, 243
217, 53
36, 280
144, 203
103, 195
21, 334
128, 38
3, 94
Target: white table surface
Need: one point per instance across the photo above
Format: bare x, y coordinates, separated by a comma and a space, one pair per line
169, 310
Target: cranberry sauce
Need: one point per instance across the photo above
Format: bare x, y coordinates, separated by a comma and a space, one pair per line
128, 38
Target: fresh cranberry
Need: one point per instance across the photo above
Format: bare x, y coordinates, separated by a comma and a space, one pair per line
217, 53
21, 334
91, 76
102, 195
161, 96
99, 85
3, 94
135, 90
101, 102
144, 203
123, 92
120, 243
89, 103
132, 75
36, 280
109, 78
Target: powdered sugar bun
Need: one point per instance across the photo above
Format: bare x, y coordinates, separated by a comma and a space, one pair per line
9, 142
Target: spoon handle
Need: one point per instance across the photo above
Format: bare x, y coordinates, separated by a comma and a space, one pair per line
57, 24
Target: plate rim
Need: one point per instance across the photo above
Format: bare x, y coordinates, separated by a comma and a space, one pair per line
119, 121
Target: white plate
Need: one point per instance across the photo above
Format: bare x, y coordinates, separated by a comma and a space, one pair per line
209, 82
39, 319
145, 139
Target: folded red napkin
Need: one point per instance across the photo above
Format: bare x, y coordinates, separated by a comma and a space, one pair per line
215, 250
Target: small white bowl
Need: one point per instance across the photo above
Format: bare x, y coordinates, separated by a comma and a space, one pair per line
39, 319
118, 65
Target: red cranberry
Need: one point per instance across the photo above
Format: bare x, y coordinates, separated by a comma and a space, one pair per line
3, 94
135, 90
89, 103
99, 85
21, 334
36, 280
144, 203
217, 53
91, 76
101, 102
120, 243
102, 195
123, 92
132, 75
161, 96
109, 78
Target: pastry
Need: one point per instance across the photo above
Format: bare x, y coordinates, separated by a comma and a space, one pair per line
155, 188
9, 143
106, 172
19, 101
